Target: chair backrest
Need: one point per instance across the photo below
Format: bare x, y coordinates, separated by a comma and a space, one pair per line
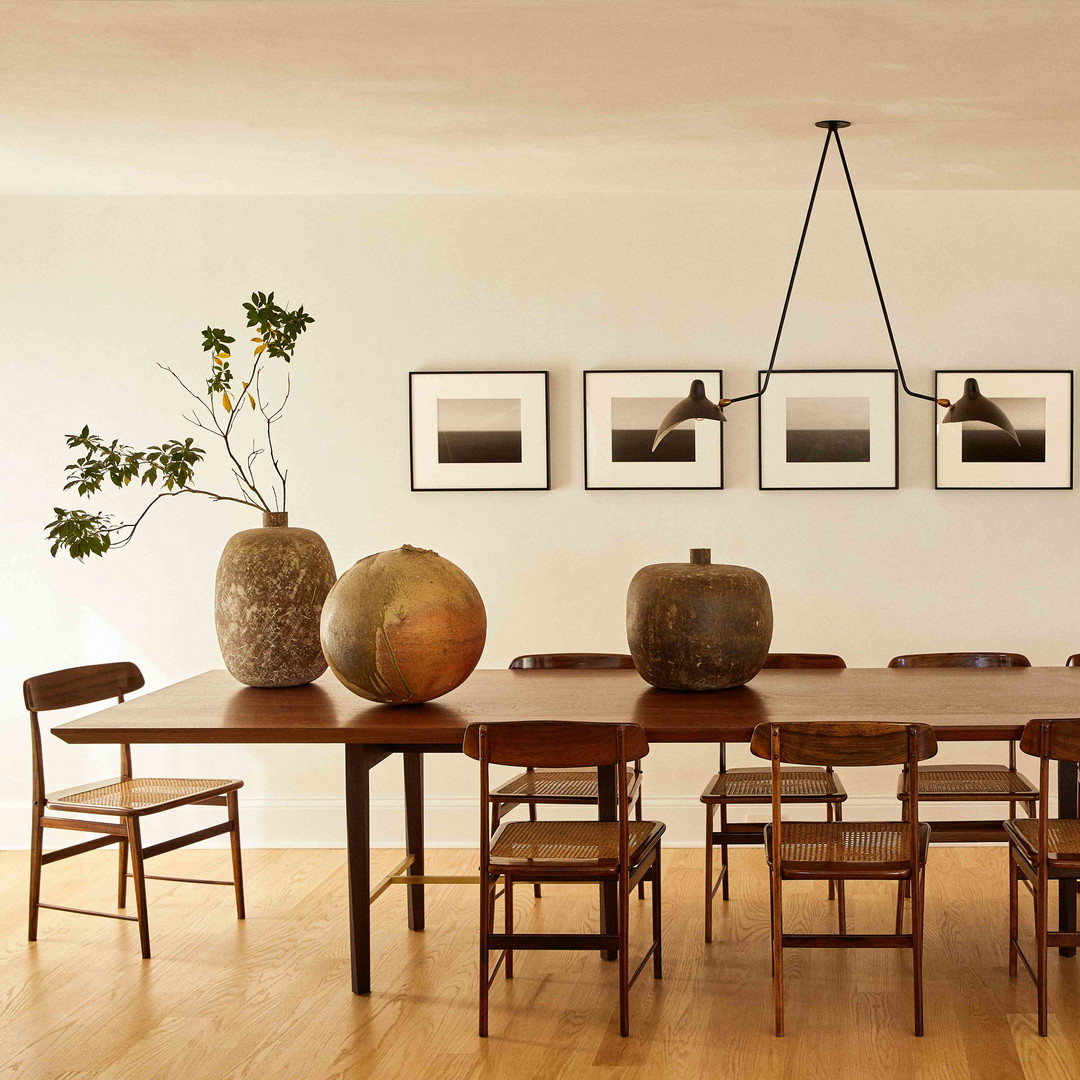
1073, 661
564, 744
793, 660
68, 688
1056, 740
855, 743
81, 686
567, 661
961, 659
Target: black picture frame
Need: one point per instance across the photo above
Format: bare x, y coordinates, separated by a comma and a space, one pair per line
986, 378
894, 413
687, 376
427, 466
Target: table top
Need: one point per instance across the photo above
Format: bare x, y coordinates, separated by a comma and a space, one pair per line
961, 704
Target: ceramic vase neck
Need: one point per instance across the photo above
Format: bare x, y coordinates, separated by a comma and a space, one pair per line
275, 521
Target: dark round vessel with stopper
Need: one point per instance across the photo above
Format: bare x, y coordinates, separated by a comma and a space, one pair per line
698, 626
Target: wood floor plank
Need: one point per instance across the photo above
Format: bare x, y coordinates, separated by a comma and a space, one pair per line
269, 998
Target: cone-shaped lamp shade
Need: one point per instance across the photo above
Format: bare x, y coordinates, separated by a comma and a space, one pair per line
695, 407
973, 406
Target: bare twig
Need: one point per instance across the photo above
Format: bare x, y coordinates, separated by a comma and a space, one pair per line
270, 418
168, 494
223, 432
187, 389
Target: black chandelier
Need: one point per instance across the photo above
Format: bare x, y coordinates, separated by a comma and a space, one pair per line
971, 406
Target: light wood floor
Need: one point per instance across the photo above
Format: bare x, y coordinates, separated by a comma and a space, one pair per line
269, 998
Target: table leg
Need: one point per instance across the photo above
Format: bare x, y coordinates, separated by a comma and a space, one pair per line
358, 840
1067, 808
414, 834
608, 810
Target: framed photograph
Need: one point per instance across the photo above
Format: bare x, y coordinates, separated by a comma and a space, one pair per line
826, 430
622, 411
479, 431
1039, 404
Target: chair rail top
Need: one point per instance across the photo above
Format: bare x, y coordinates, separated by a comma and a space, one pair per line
959, 703
856, 743
1062, 739
69, 687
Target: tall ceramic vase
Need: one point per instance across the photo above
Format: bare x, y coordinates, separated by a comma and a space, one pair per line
271, 584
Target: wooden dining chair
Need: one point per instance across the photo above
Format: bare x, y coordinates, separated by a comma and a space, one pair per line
125, 797
753, 786
979, 783
1073, 661
1043, 849
566, 787
842, 850
623, 852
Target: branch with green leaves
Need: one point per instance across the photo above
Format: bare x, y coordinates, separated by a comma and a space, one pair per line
171, 464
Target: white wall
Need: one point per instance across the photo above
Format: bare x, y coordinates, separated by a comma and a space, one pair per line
95, 290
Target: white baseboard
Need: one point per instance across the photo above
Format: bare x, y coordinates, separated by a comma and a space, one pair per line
450, 821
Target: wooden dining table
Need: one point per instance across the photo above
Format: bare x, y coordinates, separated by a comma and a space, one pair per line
961, 704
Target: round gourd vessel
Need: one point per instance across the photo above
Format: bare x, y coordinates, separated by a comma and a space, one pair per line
698, 626
269, 593
403, 626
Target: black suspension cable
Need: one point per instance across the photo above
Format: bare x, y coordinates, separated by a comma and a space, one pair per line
794, 270
873, 271
833, 131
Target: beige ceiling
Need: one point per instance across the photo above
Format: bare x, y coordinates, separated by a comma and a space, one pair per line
553, 95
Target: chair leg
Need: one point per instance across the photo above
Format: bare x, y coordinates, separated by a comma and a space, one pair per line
1014, 913
624, 958
638, 812
485, 906
508, 921
234, 839
829, 817
841, 895
710, 815
532, 817
139, 881
1042, 888
772, 920
902, 888
36, 843
657, 921
918, 892
724, 892
778, 950
121, 875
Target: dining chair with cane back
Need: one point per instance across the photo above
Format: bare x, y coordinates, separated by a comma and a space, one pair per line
1043, 849
753, 786
127, 798
565, 787
623, 852
979, 783
843, 850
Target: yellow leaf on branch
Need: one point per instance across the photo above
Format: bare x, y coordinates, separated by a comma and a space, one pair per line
260, 349
226, 402
252, 400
